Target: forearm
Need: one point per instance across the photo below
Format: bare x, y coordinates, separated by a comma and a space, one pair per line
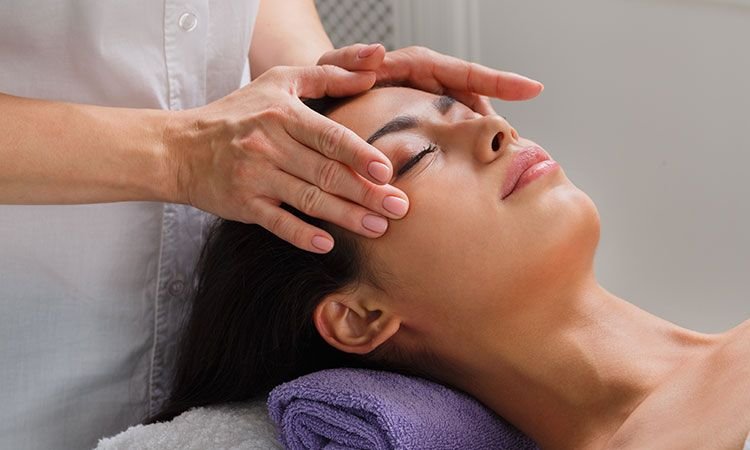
288, 33
64, 153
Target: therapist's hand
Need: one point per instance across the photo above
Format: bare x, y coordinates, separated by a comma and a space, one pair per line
425, 69
241, 156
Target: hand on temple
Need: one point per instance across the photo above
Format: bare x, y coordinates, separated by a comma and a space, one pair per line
240, 157
428, 70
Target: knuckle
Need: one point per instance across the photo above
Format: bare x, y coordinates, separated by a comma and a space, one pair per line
275, 116
310, 199
330, 140
350, 218
471, 70
253, 141
284, 226
298, 236
276, 111
280, 225
245, 207
258, 157
369, 195
283, 78
325, 69
329, 175
320, 75
238, 173
248, 211
419, 50
277, 72
314, 72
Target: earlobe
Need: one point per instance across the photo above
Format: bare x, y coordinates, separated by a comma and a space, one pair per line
344, 323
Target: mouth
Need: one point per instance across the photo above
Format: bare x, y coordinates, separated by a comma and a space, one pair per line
525, 166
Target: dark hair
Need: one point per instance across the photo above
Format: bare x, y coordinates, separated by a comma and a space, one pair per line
251, 327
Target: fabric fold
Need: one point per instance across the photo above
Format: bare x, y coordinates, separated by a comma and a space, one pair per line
367, 409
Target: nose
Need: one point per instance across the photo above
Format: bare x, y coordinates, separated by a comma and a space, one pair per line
483, 138
493, 136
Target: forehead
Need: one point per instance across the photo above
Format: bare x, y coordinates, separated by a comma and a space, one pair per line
371, 110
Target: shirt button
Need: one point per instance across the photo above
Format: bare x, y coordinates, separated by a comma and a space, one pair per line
188, 21
176, 288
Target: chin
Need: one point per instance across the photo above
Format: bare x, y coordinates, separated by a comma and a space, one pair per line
570, 220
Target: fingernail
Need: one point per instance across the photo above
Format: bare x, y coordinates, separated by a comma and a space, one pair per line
322, 243
395, 205
374, 223
379, 171
367, 51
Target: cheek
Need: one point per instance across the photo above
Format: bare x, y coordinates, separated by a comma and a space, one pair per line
444, 250
459, 255
554, 239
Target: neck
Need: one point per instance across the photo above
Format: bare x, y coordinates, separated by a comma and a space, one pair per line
569, 372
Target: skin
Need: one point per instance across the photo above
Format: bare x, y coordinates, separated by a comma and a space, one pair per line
503, 293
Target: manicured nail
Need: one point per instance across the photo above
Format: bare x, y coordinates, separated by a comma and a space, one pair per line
395, 205
374, 223
322, 243
367, 51
379, 171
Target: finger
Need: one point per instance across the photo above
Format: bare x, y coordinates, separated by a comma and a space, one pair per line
479, 103
428, 67
292, 229
335, 141
315, 202
355, 57
321, 81
337, 179
484, 107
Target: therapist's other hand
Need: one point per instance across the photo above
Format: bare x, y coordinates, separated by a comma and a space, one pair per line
428, 70
240, 157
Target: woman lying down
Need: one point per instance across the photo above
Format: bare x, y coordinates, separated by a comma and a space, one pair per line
487, 285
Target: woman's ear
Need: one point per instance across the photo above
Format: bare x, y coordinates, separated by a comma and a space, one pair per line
350, 323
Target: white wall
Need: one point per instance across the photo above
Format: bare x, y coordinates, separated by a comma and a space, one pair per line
646, 108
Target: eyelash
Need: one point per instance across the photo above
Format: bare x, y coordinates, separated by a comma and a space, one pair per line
413, 161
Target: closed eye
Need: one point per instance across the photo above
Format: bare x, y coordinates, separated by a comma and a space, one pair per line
415, 159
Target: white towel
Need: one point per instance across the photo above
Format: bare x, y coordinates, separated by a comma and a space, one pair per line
237, 426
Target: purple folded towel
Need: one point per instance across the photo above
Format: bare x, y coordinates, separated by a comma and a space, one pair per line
339, 409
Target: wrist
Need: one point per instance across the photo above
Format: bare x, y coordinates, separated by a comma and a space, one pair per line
126, 148
172, 186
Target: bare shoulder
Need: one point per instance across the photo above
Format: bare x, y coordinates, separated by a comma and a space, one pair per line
705, 405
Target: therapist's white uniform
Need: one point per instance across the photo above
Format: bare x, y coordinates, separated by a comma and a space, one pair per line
90, 294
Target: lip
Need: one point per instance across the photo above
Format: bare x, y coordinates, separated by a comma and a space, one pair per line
521, 162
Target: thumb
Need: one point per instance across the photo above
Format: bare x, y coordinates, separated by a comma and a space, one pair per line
355, 57
321, 81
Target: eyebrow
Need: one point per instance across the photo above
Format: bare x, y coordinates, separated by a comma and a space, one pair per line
443, 103
400, 123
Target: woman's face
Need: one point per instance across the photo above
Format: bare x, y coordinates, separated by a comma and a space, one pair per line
463, 256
